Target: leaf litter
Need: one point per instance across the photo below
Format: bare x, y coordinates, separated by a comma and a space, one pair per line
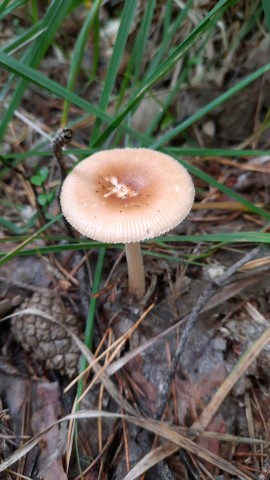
218, 407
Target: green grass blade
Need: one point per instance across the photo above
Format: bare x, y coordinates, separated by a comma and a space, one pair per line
7, 10
135, 61
210, 106
22, 40
53, 18
165, 67
13, 228
29, 74
211, 181
39, 79
88, 335
141, 39
243, 237
266, 8
78, 53
226, 238
16, 251
95, 60
89, 329
34, 11
168, 36
4, 5
119, 47
167, 102
180, 151
216, 152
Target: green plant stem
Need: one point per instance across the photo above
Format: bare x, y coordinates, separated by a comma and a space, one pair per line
8, 256
88, 334
78, 53
34, 11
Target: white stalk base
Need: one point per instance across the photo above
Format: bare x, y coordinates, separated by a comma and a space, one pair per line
136, 276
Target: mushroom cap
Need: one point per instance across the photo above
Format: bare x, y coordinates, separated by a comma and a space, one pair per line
126, 195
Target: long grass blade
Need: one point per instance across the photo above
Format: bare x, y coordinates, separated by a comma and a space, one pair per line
225, 238
78, 53
223, 188
22, 40
6, 9
30, 74
179, 151
210, 106
22, 70
266, 8
119, 47
162, 69
55, 14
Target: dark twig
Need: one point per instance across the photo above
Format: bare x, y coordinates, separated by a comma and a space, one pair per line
62, 138
201, 302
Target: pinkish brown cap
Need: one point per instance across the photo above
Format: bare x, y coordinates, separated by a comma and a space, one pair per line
126, 195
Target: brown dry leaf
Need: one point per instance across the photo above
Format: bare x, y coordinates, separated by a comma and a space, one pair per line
48, 408
191, 393
16, 390
221, 296
206, 417
146, 391
217, 425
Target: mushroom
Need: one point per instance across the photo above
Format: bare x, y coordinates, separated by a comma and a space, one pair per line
125, 196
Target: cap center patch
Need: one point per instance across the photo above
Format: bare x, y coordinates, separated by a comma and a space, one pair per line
120, 190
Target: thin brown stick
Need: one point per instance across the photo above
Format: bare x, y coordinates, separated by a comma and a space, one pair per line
62, 138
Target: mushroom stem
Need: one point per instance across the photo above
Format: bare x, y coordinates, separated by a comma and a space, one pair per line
136, 275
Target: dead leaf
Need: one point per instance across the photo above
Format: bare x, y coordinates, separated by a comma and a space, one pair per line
48, 408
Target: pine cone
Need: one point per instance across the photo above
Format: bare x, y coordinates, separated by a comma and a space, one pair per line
46, 340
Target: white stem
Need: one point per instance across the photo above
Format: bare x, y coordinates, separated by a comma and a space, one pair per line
136, 276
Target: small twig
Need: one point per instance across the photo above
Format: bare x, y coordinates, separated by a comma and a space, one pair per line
62, 138
201, 302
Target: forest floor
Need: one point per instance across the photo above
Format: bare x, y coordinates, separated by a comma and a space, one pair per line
61, 297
